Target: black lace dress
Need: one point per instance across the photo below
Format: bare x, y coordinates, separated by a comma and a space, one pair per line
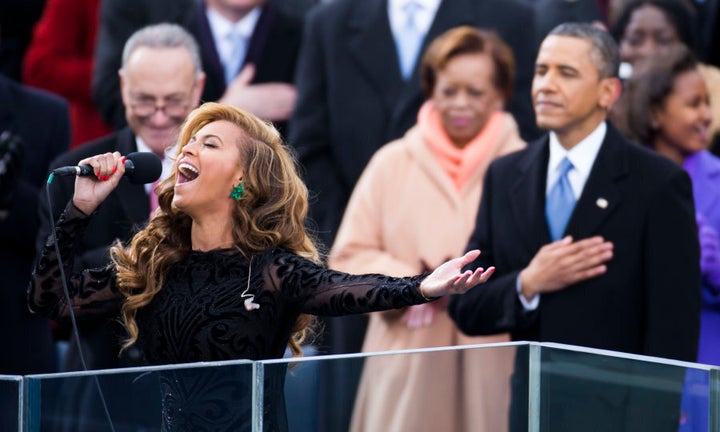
200, 315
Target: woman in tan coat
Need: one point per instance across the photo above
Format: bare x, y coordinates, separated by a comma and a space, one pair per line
413, 207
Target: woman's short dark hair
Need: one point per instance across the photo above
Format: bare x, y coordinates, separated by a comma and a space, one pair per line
468, 40
649, 87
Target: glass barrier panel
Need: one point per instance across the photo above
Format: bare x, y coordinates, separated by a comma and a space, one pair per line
188, 397
597, 390
446, 389
10, 402
714, 414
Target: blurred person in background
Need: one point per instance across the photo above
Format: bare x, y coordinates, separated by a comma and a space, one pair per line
249, 49
17, 18
359, 88
646, 27
413, 207
34, 128
60, 59
669, 111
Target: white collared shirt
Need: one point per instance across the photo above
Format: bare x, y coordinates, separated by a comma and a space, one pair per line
221, 28
424, 16
167, 161
582, 156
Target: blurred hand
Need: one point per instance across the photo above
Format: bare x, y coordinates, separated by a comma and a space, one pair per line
565, 262
424, 315
269, 101
449, 278
91, 191
709, 252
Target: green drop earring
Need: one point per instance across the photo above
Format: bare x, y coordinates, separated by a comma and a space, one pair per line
237, 192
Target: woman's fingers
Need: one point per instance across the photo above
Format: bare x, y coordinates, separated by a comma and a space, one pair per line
469, 279
105, 165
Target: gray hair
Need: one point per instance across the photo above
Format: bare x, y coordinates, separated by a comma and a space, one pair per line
164, 35
604, 51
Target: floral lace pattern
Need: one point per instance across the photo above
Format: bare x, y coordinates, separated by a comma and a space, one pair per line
199, 315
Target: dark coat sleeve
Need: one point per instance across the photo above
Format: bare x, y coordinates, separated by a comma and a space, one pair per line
118, 20
310, 130
492, 307
672, 271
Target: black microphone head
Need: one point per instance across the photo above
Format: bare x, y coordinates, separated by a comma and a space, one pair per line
143, 167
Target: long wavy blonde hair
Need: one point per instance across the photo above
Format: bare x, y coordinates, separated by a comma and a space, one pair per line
271, 213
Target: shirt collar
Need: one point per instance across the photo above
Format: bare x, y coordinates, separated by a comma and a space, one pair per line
582, 155
168, 159
423, 17
222, 27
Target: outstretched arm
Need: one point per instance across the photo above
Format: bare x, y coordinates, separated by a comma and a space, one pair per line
450, 278
326, 292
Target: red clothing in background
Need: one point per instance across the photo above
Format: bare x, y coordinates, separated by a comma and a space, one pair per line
60, 59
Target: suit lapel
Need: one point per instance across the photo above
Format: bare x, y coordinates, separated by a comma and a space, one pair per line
259, 38
133, 198
215, 82
527, 199
603, 192
371, 44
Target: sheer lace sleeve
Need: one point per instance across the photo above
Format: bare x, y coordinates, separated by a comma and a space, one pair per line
92, 292
320, 291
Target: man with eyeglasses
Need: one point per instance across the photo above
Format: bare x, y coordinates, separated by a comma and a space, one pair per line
161, 81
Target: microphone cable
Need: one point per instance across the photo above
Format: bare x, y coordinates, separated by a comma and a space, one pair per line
68, 301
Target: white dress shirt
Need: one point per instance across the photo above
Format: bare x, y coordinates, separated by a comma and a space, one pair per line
582, 156
410, 20
167, 161
223, 30
423, 17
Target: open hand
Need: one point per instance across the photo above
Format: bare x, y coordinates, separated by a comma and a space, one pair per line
709, 253
273, 101
449, 278
564, 262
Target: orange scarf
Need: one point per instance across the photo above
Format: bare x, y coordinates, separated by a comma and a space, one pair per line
459, 163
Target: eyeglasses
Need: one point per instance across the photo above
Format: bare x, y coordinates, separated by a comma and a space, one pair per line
147, 106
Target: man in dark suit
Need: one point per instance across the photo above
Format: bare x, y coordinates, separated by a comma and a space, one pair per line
161, 80
34, 128
550, 13
622, 273
271, 45
39, 122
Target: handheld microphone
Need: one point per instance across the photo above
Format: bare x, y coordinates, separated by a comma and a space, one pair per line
140, 168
